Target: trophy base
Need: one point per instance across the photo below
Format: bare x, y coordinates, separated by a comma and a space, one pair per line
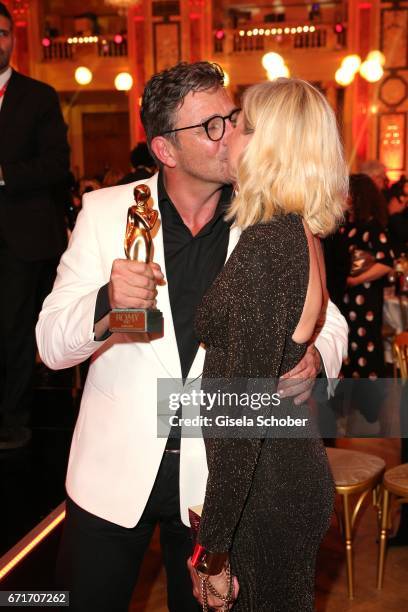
136, 320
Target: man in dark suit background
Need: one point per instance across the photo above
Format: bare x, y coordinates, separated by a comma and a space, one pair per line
34, 165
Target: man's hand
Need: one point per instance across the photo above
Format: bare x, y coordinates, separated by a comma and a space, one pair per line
299, 382
133, 284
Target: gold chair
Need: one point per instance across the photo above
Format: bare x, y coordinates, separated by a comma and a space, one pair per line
354, 473
400, 353
395, 483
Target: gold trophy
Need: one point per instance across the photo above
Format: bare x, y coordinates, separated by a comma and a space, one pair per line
138, 247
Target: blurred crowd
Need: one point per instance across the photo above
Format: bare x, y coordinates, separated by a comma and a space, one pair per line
142, 166
360, 257
360, 260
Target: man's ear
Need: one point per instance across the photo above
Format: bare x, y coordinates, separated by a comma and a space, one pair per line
164, 151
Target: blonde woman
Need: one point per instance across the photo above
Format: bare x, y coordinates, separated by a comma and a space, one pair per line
269, 500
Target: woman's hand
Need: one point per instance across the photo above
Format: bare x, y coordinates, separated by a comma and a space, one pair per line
219, 582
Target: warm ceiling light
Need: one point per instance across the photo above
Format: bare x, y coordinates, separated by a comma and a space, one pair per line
371, 71
351, 63
278, 71
123, 81
344, 77
272, 60
377, 56
83, 75
121, 4
227, 79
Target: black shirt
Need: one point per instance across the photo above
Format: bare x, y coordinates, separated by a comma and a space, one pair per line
192, 263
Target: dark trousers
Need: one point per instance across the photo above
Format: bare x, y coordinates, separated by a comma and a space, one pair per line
24, 285
99, 561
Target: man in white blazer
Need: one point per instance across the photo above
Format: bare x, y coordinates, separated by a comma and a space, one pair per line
122, 479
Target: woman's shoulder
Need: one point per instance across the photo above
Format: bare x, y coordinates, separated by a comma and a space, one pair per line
282, 230
272, 246
289, 221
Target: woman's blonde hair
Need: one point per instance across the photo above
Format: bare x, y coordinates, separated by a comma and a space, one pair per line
294, 161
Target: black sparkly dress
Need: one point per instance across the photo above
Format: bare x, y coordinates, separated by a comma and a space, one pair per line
268, 501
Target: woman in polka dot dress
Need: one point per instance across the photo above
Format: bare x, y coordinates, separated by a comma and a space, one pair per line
363, 299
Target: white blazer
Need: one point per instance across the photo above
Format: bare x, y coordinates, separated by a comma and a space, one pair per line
115, 452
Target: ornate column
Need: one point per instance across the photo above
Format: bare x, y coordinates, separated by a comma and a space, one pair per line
138, 50
358, 94
391, 144
19, 11
160, 34
34, 33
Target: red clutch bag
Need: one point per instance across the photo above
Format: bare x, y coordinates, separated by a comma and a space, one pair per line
194, 515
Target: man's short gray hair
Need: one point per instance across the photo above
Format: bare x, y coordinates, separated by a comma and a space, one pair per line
165, 92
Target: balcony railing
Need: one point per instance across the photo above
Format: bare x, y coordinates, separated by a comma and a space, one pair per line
244, 40
59, 49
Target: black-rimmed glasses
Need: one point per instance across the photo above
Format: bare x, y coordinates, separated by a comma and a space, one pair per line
214, 126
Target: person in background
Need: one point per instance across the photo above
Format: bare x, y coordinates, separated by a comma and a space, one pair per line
142, 163
112, 177
397, 198
34, 178
365, 229
377, 173
365, 237
87, 185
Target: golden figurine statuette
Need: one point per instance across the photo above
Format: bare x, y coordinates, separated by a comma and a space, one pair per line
138, 244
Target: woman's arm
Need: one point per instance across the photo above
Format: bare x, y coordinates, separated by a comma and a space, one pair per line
378, 244
376, 271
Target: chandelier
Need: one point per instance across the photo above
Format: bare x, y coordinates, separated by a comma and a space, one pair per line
122, 5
